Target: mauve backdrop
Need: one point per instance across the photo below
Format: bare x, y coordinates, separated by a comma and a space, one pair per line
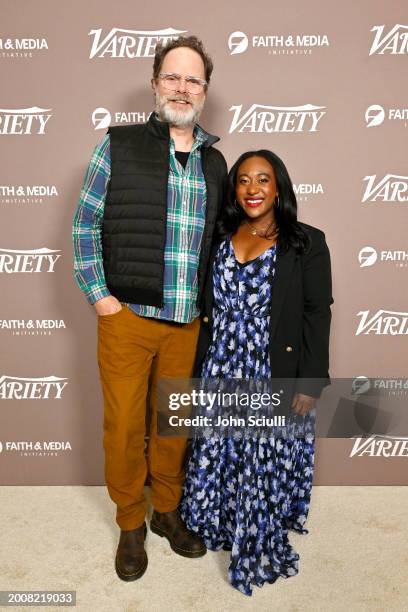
265, 53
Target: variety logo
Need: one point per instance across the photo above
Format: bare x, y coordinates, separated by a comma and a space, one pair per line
391, 188
368, 256
31, 327
380, 446
394, 42
20, 121
27, 194
294, 44
102, 118
50, 387
35, 449
383, 322
304, 190
268, 119
376, 114
130, 43
21, 47
36, 260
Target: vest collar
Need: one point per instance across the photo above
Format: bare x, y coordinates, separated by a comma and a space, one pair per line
160, 129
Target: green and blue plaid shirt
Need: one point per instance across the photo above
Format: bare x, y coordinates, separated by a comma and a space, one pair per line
186, 202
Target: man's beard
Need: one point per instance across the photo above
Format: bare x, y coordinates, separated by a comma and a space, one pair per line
178, 118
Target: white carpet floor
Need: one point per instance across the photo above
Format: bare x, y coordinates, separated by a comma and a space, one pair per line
355, 557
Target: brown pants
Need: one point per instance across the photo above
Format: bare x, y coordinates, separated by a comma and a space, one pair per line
133, 353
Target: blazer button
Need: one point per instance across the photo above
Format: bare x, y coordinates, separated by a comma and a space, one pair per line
289, 349
205, 319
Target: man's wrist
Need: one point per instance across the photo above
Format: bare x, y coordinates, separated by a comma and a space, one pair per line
96, 295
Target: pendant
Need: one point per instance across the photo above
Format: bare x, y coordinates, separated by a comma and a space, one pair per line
253, 232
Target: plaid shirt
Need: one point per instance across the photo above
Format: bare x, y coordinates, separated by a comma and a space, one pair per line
186, 201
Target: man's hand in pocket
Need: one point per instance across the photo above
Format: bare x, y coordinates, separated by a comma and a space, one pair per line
107, 306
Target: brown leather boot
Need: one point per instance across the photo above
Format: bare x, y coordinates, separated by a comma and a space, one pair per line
131, 558
183, 542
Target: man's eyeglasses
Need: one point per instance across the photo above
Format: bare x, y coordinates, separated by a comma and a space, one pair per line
173, 81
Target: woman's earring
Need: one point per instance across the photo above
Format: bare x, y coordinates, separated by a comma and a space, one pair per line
236, 205
277, 202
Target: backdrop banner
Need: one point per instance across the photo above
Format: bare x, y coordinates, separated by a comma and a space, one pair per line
324, 85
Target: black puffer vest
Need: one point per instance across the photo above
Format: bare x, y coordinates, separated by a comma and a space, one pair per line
134, 224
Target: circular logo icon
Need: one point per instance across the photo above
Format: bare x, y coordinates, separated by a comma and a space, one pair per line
367, 257
360, 384
374, 115
101, 118
237, 42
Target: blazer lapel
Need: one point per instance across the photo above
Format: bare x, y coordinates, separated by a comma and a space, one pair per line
283, 270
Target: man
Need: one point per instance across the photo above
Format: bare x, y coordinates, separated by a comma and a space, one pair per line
142, 235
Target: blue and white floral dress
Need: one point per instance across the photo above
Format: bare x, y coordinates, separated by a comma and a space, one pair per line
244, 494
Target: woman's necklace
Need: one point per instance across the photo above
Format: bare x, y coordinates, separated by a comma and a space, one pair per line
256, 232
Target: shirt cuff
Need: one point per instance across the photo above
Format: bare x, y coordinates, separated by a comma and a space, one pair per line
96, 294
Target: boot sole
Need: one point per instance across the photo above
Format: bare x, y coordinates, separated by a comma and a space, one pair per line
180, 551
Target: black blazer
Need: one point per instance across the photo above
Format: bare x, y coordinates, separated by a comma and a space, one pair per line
300, 316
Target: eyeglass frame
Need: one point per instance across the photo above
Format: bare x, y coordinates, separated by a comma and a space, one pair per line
179, 77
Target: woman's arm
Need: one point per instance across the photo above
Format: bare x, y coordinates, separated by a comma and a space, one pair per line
313, 373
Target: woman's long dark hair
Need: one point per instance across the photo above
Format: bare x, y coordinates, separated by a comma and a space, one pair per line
291, 233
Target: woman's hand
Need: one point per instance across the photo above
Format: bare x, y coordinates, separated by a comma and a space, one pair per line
303, 403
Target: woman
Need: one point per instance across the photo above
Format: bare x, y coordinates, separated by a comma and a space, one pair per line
266, 314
